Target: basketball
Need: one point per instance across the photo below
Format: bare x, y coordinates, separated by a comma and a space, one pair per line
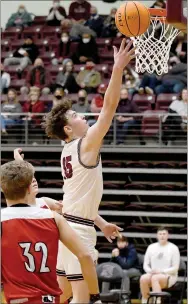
132, 18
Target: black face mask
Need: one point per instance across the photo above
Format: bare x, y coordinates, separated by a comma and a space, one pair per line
58, 97
123, 100
82, 99
102, 95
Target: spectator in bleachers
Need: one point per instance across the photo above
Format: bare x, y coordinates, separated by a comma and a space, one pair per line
24, 55
64, 49
5, 81
82, 105
38, 77
87, 48
66, 78
159, 4
174, 81
21, 18
88, 78
95, 22
97, 103
125, 256
131, 80
79, 11
161, 264
179, 47
124, 124
34, 105
57, 98
56, 14
10, 106
110, 29
76, 30
175, 126
148, 83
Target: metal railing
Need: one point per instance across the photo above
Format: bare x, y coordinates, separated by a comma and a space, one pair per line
149, 128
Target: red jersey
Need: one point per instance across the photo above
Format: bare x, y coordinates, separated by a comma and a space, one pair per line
29, 246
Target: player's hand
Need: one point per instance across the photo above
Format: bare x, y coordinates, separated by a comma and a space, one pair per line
115, 252
111, 231
124, 55
18, 155
156, 271
58, 207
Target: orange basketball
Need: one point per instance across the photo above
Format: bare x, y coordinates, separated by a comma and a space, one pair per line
132, 18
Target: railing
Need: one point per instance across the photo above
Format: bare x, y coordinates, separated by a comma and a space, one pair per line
149, 128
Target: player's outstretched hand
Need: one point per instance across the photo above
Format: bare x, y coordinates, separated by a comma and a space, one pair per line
111, 231
124, 55
18, 155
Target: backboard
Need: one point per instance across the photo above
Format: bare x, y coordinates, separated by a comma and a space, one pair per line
177, 14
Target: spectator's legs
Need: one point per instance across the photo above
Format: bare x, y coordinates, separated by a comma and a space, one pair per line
25, 61
158, 282
145, 284
127, 125
45, 91
2, 123
128, 274
3, 85
24, 90
12, 61
162, 88
178, 87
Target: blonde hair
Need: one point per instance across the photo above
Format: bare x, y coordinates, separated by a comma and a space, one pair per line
16, 177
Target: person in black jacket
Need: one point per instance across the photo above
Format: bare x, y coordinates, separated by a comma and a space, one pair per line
95, 22
125, 255
87, 48
24, 55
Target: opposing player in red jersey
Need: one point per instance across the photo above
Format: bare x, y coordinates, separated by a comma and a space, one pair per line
29, 242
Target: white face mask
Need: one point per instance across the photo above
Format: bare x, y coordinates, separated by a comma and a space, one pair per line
56, 4
64, 39
21, 11
86, 40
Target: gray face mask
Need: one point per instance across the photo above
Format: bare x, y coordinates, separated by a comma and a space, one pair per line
21, 11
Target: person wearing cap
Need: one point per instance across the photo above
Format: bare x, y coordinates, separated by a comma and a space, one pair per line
24, 55
21, 18
56, 14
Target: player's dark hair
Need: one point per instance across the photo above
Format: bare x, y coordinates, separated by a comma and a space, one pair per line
16, 177
122, 239
56, 120
161, 228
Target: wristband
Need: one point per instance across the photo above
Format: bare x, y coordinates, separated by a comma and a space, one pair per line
94, 298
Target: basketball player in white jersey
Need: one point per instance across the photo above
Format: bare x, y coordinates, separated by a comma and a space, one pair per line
82, 170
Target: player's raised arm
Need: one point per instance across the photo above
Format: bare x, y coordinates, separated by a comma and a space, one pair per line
73, 242
96, 133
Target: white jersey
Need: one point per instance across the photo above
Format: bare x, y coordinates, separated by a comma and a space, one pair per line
83, 185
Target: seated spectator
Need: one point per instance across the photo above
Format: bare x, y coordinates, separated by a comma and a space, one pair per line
97, 103
89, 79
10, 106
179, 47
87, 49
5, 81
109, 28
79, 11
82, 104
131, 80
161, 264
125, 256
21, 18
125, 123
174, 81
24, 55
175, 127
148, 83
56, 14
76, 30
57, 98
64, 50
32, 106
66, 79
38, 77
95, 22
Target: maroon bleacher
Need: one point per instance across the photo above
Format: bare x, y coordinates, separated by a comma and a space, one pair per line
144, 102
164, 100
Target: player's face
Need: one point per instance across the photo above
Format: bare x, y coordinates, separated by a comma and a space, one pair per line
184, 95
34, 187
77, 125
162, 236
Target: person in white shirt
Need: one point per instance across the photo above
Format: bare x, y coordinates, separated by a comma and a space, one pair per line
180, 106
161, 264
5, 81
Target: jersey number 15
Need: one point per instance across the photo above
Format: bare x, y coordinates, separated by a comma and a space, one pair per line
67, 167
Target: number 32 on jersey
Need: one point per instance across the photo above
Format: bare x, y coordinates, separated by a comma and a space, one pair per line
67, 167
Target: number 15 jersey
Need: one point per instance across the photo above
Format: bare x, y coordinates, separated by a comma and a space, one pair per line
29, 246
83, 185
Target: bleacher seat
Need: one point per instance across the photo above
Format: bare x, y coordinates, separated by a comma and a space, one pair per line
103, 43
12, 32
144, 101
34, 31
18, 83
6, 45
43, 45
164, 100
17, 43
107, 57
6, 55
39, 20
150, 124
51, 32
47, 57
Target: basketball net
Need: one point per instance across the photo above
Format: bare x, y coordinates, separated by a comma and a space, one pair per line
152, 53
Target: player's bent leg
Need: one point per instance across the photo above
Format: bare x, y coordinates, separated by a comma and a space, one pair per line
66, 288
80, 292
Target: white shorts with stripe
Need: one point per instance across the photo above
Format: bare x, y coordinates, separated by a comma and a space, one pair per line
67, 263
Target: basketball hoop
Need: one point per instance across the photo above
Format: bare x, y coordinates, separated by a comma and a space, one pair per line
153, 52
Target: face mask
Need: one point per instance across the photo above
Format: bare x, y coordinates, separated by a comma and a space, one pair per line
102, 95
123, 99
21, 11
113, 16
89, 67
64, 39
33, 98
93, 15
58, 97
86, 40
82, 99
56, 4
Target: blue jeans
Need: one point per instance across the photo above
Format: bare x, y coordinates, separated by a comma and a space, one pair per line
124, 128
170, 86
149, 81
4, 122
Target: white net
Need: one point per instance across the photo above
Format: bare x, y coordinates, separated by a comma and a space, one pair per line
153, 47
